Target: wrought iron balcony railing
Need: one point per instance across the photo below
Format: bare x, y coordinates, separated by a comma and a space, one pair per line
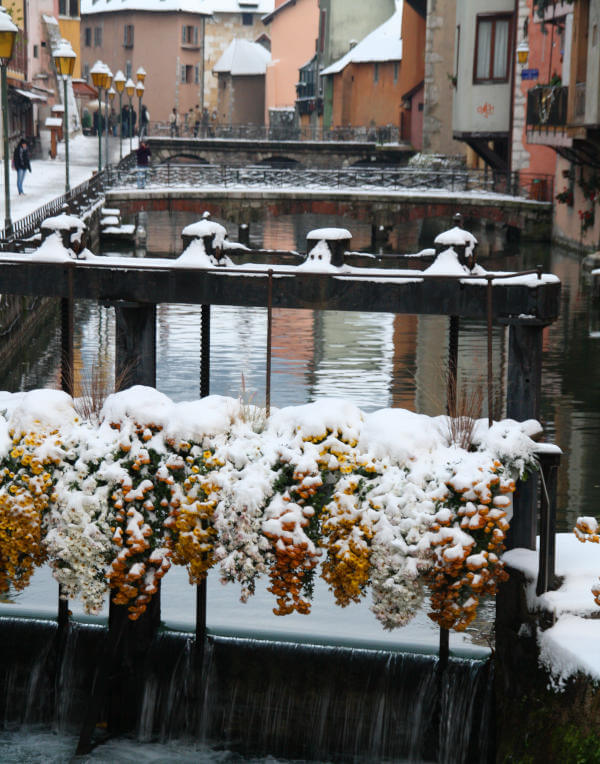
547, 106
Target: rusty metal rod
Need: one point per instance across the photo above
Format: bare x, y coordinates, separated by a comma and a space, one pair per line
204, 351
204, 391
452, 381
490, 380
269, 342
67, 384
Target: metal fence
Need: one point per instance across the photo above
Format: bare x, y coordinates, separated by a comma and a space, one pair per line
385, 134
83, 195
528, 185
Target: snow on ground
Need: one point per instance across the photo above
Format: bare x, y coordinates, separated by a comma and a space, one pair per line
46, 180
571, 644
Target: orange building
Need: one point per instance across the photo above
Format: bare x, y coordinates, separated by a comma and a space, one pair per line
369, 82
293, 28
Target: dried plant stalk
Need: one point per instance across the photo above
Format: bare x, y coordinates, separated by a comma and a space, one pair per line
464, 409
91, 388
250, 413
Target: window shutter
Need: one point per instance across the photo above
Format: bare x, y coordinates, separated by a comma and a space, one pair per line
195, 35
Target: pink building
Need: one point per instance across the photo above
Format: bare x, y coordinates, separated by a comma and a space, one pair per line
294, 29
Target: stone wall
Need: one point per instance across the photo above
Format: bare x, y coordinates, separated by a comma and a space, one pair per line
439, 66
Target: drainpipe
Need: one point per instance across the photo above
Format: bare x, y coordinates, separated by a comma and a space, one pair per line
203, 68
513, 85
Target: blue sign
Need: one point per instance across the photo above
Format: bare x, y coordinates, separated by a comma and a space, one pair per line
530, 74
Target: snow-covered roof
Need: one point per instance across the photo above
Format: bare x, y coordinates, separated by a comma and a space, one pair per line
242, 6
382, 44
203, 7
243, 57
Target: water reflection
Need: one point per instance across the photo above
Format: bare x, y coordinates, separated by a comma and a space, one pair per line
375, 360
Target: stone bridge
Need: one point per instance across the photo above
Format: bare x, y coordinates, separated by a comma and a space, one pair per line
314, 154
531, 219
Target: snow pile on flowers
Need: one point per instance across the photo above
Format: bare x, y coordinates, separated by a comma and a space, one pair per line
383, 503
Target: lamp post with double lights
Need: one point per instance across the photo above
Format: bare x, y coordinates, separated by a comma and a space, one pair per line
97, 72
108, 77
141, 79
8, 34
130, 90
64, 60
139, 89
119, 83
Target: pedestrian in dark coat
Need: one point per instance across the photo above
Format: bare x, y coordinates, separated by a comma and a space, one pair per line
21, 163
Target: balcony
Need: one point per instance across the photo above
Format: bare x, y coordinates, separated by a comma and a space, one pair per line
547, 108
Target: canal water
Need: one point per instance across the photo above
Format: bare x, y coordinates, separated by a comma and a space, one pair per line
375, 360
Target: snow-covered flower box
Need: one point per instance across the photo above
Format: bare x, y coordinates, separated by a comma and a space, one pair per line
384, 503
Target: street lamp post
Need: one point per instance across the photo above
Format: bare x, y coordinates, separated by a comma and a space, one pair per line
8, 33
64, 60
139, 89
97, 73
141, 78
108, 76
130, 90
119, 83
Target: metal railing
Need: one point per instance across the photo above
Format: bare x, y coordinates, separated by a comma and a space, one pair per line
88, 191
170, 174
547, 106
380, 135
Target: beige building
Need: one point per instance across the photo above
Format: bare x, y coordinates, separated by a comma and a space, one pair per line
177, 42
241, 74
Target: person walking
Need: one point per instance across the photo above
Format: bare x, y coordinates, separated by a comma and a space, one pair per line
21, 163
174, 123
144, 121
143, 155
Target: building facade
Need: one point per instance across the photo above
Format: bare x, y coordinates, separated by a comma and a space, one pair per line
177, 42
293, 27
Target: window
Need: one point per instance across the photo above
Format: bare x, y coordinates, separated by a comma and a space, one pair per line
247, 19
189, 35
128, 35
68, 8
97, 37
86, 72
375, 73
492, 45
396, 71
128, 70
187, 73
87, 37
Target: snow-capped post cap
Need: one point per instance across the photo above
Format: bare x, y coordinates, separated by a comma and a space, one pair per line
461, 241
72, 231
212, 234
337, 241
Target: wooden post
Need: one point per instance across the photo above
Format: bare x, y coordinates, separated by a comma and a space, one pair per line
135, 357
549, 463
118, 680
523, 402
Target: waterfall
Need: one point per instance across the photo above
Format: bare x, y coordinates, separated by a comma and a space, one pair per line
258, 698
